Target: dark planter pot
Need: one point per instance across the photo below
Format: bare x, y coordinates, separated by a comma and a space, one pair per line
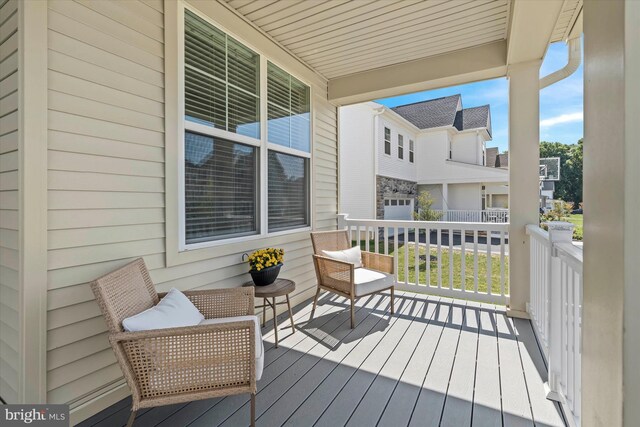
266, 276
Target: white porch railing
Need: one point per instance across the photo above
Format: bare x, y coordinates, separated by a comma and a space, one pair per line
487, 215
556, 310
451, 259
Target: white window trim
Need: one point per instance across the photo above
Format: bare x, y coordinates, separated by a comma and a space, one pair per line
384, 141
183, 125
400, 137
412, 151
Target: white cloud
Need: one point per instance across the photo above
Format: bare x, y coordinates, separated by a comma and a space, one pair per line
563, 118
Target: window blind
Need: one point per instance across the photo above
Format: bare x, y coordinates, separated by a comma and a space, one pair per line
222, 79
221, 182
288, 110
288, 191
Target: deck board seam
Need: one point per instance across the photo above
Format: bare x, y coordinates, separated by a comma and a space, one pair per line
430, 362
437, 302
387, 360
395, 317
524, 374
453, 364
321, 359
302, 355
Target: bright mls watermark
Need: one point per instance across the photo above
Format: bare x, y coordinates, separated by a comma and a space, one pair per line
34, 415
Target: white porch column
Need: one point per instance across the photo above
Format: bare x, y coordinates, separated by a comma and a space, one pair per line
611, 318
445, 201
524, 140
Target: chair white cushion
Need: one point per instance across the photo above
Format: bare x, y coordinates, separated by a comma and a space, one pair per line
173, 311
368, 281
258, 343
353, 255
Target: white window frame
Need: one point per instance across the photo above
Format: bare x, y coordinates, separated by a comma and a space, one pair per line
385, 140
262, 143
400, 147
412, 153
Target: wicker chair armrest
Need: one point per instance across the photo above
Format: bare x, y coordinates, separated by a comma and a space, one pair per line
379, 262
228, 302
335, 274
166, 362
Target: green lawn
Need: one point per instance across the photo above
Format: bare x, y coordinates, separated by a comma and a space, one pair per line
457, 268
577, 221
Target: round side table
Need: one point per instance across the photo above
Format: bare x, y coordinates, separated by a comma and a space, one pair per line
281, 287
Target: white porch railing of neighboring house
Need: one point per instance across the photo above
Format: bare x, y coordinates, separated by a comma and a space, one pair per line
435, 250
487, 215
555, 308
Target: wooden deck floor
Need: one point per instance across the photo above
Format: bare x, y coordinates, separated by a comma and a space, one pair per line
436, 362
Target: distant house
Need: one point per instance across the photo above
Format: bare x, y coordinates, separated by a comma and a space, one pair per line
436, 145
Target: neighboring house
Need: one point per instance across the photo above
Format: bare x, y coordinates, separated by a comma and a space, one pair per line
546, 194
437, 145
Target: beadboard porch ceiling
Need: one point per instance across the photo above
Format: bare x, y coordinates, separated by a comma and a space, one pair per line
344, 37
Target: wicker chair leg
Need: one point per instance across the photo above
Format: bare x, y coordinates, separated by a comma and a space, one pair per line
393, 297
253, 409
353, 316
132, 418
315, 304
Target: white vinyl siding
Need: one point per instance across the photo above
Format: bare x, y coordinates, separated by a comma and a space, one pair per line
394, 132
107, 183
9, 199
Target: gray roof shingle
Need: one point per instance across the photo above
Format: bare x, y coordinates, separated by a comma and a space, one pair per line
432, 113
444, 112
473, 118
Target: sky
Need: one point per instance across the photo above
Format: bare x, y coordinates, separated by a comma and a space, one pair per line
560, 104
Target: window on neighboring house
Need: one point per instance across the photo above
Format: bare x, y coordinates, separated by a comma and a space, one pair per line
223, 144
400, 147
387, 141
411, 151
450, 150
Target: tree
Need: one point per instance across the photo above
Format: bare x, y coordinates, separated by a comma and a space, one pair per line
569, 187
425, 213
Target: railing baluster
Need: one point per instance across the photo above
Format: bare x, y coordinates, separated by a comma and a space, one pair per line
489, 264
450, 258
405, 234
439, 257
376, 239
366, 238
416, 255
463, 259
396, 253
386, 240
475, 261
427, 239
502, 263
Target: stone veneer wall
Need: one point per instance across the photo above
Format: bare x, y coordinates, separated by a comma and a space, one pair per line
393, 188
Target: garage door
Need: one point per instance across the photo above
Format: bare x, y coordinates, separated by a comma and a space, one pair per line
398, 209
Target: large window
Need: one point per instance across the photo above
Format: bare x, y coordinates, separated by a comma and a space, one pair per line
222, 79
288, 191
228, 156
387, 141
400, 147
220, 188
288, 109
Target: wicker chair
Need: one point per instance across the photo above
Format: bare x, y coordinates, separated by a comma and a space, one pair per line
174, 365
343, 278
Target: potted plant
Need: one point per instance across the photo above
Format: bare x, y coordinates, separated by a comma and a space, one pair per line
265, 265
